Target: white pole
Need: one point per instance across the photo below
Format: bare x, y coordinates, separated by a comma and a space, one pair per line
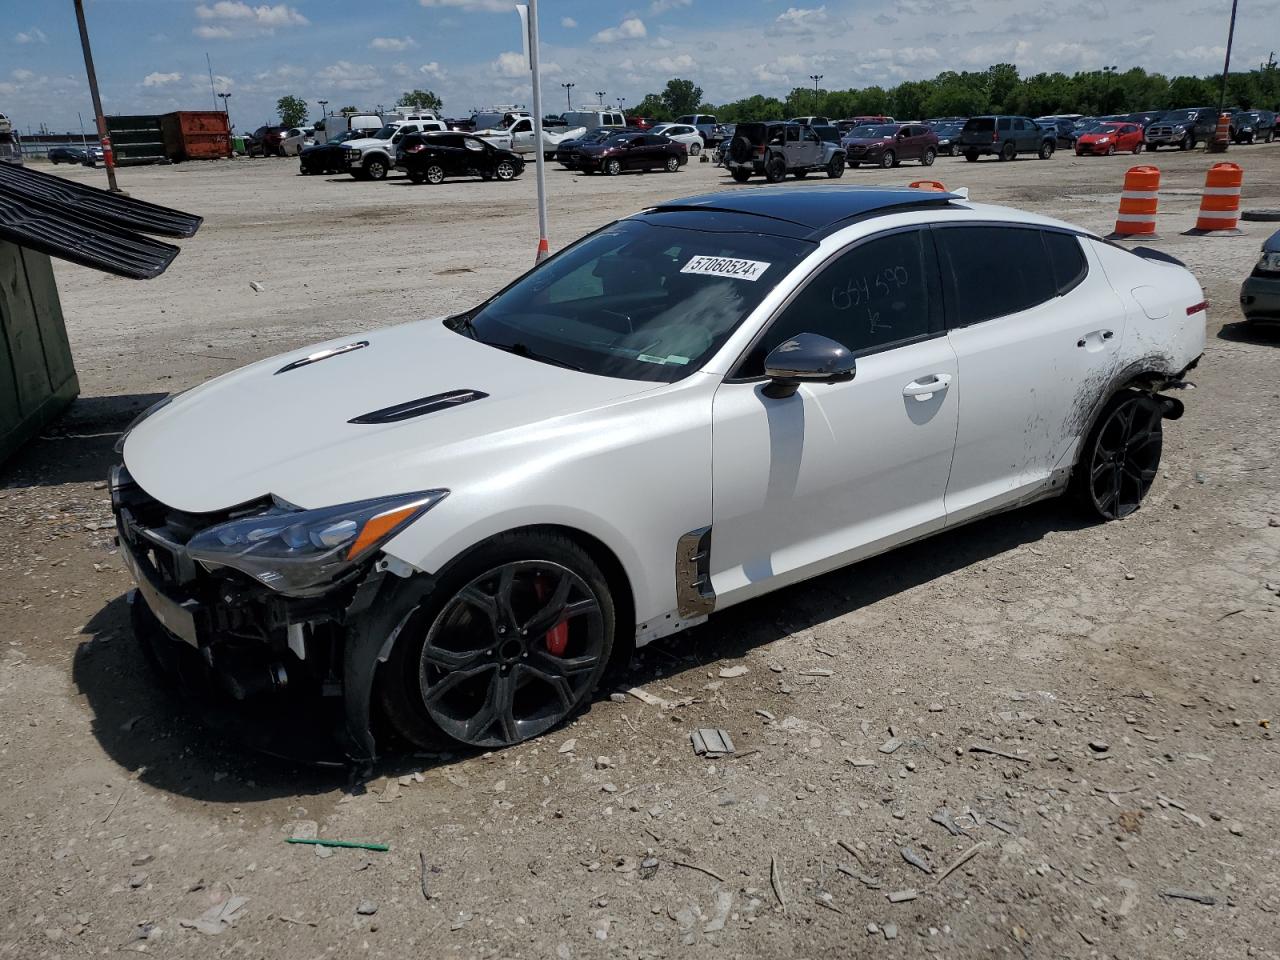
544, 249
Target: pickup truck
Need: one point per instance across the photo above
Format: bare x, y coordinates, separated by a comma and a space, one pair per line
518, 138
372, 158
712, 132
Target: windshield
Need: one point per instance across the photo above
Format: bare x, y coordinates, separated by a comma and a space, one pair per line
872, 133
386, 133
636, 300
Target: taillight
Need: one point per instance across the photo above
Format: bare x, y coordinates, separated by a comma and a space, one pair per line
995, 136
1197, 307
760, 151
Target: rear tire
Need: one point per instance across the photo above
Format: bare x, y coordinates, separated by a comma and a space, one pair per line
1121, 456
1139, 148
1008, 152
450, 673
417, 176
695, 149
741, 176
971, 156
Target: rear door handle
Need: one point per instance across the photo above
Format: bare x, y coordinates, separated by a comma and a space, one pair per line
1095, 338
924, 388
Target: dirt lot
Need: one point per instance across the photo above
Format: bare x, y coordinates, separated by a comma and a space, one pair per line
1123, 676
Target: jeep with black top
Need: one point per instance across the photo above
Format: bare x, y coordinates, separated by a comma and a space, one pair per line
776, 148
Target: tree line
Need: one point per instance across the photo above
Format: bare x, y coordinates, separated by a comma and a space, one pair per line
998, 89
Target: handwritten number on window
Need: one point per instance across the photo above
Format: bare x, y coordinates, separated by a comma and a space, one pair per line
857, 291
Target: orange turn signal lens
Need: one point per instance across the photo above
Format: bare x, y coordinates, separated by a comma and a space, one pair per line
379, 526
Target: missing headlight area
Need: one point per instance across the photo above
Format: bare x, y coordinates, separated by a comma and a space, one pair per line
260, 597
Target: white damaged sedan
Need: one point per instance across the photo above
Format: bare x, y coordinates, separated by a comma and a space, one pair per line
456, 525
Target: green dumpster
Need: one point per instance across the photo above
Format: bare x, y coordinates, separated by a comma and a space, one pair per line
37, 377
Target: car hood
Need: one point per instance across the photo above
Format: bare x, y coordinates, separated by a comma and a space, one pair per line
866, 141
365, 142
265, 429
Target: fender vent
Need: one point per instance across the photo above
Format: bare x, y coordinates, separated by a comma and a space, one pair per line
420, 407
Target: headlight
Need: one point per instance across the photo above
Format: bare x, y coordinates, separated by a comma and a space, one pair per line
353, 153
1103, 139
295, 551
1269, 262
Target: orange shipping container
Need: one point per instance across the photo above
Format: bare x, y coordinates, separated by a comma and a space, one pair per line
196, 135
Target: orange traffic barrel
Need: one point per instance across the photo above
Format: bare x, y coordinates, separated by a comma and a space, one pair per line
1221, 136
928, 185
1138, 200
1220, 204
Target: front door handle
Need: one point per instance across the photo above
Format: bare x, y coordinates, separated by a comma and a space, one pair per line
924, 388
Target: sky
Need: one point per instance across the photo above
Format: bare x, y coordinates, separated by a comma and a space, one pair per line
150, 54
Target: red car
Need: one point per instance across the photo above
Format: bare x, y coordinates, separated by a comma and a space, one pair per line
1110, 138
641, 123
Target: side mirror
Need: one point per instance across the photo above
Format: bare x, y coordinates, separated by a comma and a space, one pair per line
806, 357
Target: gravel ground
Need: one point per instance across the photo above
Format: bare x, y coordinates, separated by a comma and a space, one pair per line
1029, 736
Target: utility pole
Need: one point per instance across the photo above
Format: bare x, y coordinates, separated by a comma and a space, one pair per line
83, 142
212, 88
815, 77
108, 158
568, 94
600, 96
1226, 64
529, 20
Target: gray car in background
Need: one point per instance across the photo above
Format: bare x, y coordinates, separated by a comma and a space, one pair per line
1260, 295
776, 148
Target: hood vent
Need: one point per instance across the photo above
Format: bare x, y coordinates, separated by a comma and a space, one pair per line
323, 355
420, 407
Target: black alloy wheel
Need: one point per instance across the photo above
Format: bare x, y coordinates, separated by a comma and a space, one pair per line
775, 171
512, 641
505, 170
613, 167
1122, 456
835, 169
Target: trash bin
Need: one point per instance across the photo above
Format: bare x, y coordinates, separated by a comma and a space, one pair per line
37, 376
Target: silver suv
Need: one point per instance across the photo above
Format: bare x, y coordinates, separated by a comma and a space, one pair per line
775, 149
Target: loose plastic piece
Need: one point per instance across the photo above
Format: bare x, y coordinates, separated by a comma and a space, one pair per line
321, 842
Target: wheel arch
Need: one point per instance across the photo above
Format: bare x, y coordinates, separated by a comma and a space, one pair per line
1149, 375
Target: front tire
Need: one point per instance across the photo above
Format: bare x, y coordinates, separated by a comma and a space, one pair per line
740, 176
505, 170
890, 159
375, 169
613, 168
972, 156
1188, 142
1046, 150
672, 164
1121, 456
511, 642
835, 169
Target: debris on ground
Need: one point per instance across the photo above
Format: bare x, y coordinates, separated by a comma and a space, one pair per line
729, 673
902, 896
1176, 893
711, 743
217, 918
915, 859
352, 844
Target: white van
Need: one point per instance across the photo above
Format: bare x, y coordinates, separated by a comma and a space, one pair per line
595, 116
329, 127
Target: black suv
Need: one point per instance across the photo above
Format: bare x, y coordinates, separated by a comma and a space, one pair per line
432, 156
1253, 126
1182, 128
775, 148
1005, 137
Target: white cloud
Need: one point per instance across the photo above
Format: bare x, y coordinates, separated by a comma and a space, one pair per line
802, 19
34, 35
568, 23
675, 64
264, 15
161, 79
631, 28
662, 6
22, 75
473, 6
206, 32
511, 64
345, 75
432, 70
392, 43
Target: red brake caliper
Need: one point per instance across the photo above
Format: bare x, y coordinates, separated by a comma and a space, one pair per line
557, 636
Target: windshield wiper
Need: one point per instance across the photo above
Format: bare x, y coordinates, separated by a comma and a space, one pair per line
522, 350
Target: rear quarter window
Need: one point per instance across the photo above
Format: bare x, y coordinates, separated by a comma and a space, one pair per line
1067, 260
980, 124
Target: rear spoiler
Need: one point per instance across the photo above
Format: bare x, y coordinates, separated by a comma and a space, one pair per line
1150, 253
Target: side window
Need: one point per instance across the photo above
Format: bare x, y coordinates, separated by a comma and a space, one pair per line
1003, 123
524, 126
993, 271
471, 143
1069, 264
793, 134
876, 294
